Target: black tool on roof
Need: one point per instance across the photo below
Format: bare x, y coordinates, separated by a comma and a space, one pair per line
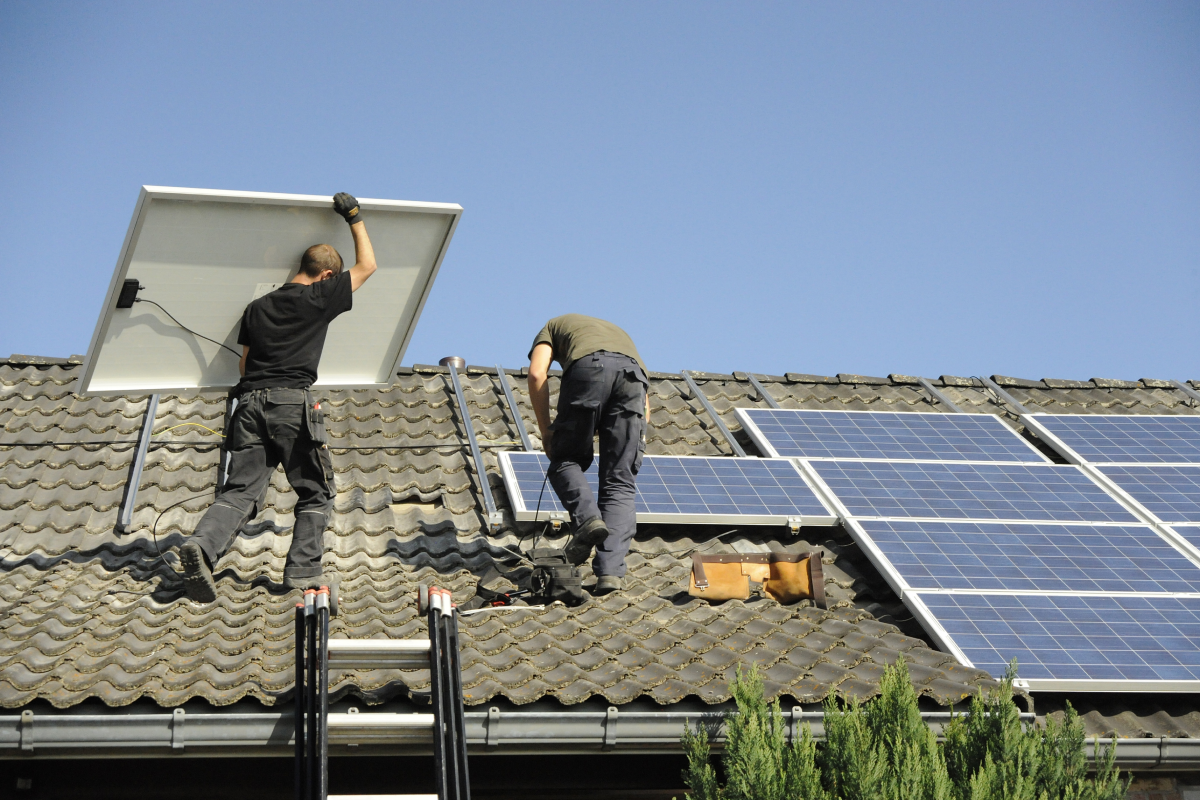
316, 653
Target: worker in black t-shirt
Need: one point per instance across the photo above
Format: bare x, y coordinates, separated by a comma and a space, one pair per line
272, 418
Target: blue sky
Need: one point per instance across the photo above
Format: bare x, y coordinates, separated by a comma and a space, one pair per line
918, 188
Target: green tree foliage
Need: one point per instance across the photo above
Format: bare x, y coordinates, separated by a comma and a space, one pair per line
882, 750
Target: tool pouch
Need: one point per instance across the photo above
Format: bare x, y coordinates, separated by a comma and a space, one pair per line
314, 420
554, 578
786, 577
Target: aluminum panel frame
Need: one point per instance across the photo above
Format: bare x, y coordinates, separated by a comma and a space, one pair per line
760, 439
523, 513
183, 362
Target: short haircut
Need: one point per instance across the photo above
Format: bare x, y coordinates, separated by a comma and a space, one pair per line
319, 258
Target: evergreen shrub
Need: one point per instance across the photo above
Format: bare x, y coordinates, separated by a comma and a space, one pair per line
883, 750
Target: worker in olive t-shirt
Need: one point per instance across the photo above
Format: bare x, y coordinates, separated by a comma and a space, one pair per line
272, 418
603, 390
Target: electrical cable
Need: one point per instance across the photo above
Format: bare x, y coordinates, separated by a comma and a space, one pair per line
185, 327
197, 424
154, 528
687, 552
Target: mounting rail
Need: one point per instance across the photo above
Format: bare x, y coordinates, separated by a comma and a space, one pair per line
494, 518
712, 412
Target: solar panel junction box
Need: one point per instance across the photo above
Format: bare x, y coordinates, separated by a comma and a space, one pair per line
128, 294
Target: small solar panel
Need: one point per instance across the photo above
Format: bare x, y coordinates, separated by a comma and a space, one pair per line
1127, 439
683, 489
1032, 557
891, 435
969, 491
1122, 638
1170, 493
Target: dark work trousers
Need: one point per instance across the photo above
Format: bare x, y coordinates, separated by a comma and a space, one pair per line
266, 428
604, 392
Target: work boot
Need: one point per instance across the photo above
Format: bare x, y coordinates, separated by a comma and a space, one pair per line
608, 583
587, 536
197, 577
317, 583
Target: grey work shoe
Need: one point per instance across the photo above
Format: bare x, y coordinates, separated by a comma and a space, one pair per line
197, 578
608, 583
587, 536
317, 583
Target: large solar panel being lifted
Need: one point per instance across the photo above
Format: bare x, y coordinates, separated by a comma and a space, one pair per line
890, 435
1121, 639
1031, 492
1127, 439
683, 489
1032, 557
1170, 493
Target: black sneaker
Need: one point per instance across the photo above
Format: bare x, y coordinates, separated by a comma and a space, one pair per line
197, 579
587, 536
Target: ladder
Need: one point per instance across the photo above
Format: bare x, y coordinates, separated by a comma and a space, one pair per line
316, 653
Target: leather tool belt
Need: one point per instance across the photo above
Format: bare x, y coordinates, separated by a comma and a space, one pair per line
786, 577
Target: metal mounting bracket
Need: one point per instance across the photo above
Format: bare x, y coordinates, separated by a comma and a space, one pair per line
939, 396
27, 731
610, 728
795, 524
177, 718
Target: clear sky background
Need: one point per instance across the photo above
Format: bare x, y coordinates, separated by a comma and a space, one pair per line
952, 188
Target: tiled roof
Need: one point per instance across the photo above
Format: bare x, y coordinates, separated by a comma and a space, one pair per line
90, 613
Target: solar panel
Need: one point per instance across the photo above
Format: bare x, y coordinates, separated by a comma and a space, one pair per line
890, 435
752, 491
203, 255
1061, 640
1125, 439
1170, 493
1032, 557
969, 491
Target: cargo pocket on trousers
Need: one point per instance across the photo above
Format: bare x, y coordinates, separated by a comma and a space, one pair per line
326, 466
314, 423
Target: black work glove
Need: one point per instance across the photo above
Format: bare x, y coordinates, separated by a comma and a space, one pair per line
347, 206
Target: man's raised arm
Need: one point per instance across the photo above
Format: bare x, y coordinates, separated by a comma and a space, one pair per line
364, 255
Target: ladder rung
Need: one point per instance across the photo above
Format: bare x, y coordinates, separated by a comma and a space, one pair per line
379, 653
368, 728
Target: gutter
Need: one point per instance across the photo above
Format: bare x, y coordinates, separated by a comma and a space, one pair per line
489, 732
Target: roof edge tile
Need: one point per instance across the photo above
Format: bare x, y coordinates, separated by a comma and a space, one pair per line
1062, 383
1113, 383
866, 380
1005, 380
803, 377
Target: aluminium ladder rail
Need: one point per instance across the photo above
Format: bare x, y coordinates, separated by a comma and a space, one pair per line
316, 727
